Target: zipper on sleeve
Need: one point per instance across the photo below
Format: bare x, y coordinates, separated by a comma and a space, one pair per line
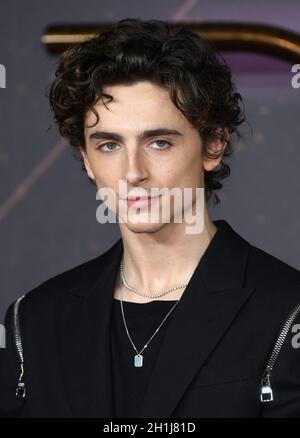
266, 392
20, 389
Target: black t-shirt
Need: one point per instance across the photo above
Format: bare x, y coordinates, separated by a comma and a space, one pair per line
142, 319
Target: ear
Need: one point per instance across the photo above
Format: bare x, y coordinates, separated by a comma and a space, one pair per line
86, 162
216, 145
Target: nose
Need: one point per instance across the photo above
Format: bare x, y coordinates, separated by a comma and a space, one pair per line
135, 170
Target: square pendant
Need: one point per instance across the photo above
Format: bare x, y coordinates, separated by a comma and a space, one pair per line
138, 360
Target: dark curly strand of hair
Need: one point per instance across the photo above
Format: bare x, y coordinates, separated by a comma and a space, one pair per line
176, 59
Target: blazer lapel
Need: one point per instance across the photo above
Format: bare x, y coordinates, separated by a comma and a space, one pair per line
210, 302
85, 338
213, 298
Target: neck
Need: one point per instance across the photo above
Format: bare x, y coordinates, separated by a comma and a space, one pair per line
154, 262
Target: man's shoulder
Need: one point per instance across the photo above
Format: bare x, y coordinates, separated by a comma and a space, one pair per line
58, 286
264, 266
260, 267
277, 283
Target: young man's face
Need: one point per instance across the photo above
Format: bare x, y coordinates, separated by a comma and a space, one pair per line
160, 161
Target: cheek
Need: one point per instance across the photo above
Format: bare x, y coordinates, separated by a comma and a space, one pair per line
193, 171
188, 174
104, 175
107, 179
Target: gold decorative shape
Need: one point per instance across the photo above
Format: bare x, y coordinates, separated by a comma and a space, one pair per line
225, 36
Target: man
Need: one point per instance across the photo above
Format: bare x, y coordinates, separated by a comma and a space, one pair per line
156, 110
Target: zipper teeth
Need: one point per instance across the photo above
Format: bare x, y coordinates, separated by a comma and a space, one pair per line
16, 329
275, 352
280, 341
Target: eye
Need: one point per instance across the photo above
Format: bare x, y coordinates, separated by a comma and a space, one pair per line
163, 141
101, 147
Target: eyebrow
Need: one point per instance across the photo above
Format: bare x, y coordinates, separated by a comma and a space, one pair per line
98, 135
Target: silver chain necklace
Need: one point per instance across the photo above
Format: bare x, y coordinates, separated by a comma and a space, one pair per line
138, 358
143, 293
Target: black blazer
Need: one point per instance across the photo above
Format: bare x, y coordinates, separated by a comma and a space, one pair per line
212, 358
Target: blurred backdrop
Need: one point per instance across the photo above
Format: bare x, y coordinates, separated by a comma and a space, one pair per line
47, 204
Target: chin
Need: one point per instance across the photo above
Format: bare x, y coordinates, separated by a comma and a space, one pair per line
144, 227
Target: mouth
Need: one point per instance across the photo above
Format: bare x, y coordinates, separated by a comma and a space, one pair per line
141, 201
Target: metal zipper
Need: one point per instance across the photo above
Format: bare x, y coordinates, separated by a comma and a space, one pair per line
266, 392
20, 389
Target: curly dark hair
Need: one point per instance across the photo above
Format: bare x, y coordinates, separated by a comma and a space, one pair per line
172, 57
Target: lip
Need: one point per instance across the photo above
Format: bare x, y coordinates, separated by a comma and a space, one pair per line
143, 201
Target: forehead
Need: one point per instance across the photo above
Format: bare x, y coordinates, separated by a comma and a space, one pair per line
136, 106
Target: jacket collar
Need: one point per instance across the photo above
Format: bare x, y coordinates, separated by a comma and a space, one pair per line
213, 298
